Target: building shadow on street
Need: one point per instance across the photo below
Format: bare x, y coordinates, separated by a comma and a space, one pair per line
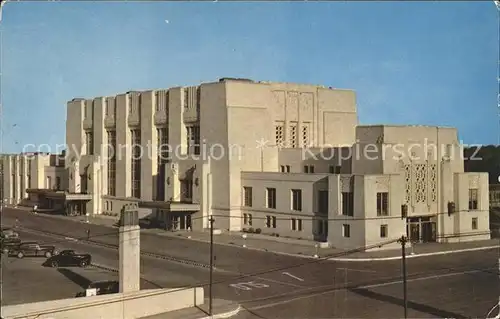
434, 312
78, 279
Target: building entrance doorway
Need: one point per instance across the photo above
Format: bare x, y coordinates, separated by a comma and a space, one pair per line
179, 221
421, 229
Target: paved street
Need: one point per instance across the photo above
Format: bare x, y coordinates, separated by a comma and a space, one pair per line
459, 285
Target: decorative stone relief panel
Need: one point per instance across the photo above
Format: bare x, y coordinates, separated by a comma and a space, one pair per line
279, 133
306, 105
279, 99
408, 183
433, 183
474, 181
383, 183
347, 183
420, 182
292, 106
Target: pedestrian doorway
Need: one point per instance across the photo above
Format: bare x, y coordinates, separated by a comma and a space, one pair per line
179, 221
421, 229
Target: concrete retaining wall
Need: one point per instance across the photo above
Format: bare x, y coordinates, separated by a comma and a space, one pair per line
122, 305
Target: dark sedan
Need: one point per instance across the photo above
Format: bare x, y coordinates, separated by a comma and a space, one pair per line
68, 258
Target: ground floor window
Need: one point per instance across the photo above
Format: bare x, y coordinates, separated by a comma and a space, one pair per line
296, 224
383, 231
247, 219
474, 223
346, 230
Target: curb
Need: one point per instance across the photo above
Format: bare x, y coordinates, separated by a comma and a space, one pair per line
224, 315
437, 253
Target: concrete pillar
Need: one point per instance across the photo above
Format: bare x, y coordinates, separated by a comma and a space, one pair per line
129, 250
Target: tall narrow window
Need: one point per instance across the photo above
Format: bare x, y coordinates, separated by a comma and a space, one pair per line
136, 163
247, 196
58, 183
473, 197
163, 158
305, 135
347, 204
111, 162
474, 223
271, 197
89, 142
293, 135
279, 134
48, 183
186, 98
382, 204
296, 199
193, 139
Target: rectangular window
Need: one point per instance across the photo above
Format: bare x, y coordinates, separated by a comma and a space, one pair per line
89, 142
14, 186
111, 163
347, 204
187, 190
247, 191
274, 221
247, 219
474, 223
305, 135
382, 204
323, 201
58, 183
193, 139
268, 221
293, 224
271, 198
383, 231
293, 135
334, 169
29, 181
279, 135
296, 224
287, 168
136, 163
297, 199
309, 169
473, 198
106, 107
48, 183
299, 224
186, 98
346, 230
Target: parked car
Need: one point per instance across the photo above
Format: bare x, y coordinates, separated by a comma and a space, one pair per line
9, 233
9, 243
102, 288
69, 258
32, 249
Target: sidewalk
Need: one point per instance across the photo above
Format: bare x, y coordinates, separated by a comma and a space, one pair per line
221, 309
300, 248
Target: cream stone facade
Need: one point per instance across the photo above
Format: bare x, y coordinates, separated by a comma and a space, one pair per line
277, 158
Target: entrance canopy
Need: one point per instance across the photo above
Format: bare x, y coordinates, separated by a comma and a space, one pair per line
170, 206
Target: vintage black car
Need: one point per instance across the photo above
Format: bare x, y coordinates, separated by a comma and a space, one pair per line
68, 258
102, 288
32, 249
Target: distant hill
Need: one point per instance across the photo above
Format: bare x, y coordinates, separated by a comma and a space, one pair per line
483, 159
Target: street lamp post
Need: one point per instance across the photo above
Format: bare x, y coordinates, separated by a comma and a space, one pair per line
403, 240
211, 264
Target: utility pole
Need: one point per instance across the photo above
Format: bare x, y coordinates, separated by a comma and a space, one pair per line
211, 264
403, 240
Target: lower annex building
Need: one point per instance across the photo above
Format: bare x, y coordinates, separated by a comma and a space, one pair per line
277, 158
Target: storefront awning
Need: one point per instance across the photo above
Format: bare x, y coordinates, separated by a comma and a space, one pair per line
49, 193
171, 206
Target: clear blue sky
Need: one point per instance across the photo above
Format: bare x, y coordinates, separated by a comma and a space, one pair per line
410, 63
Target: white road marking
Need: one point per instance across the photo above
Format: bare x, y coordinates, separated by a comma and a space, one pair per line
279, 282
69, 238
426, 278
358, 270
248, 285
269, 305
294, 277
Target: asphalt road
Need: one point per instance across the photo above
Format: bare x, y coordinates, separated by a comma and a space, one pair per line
460, 285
